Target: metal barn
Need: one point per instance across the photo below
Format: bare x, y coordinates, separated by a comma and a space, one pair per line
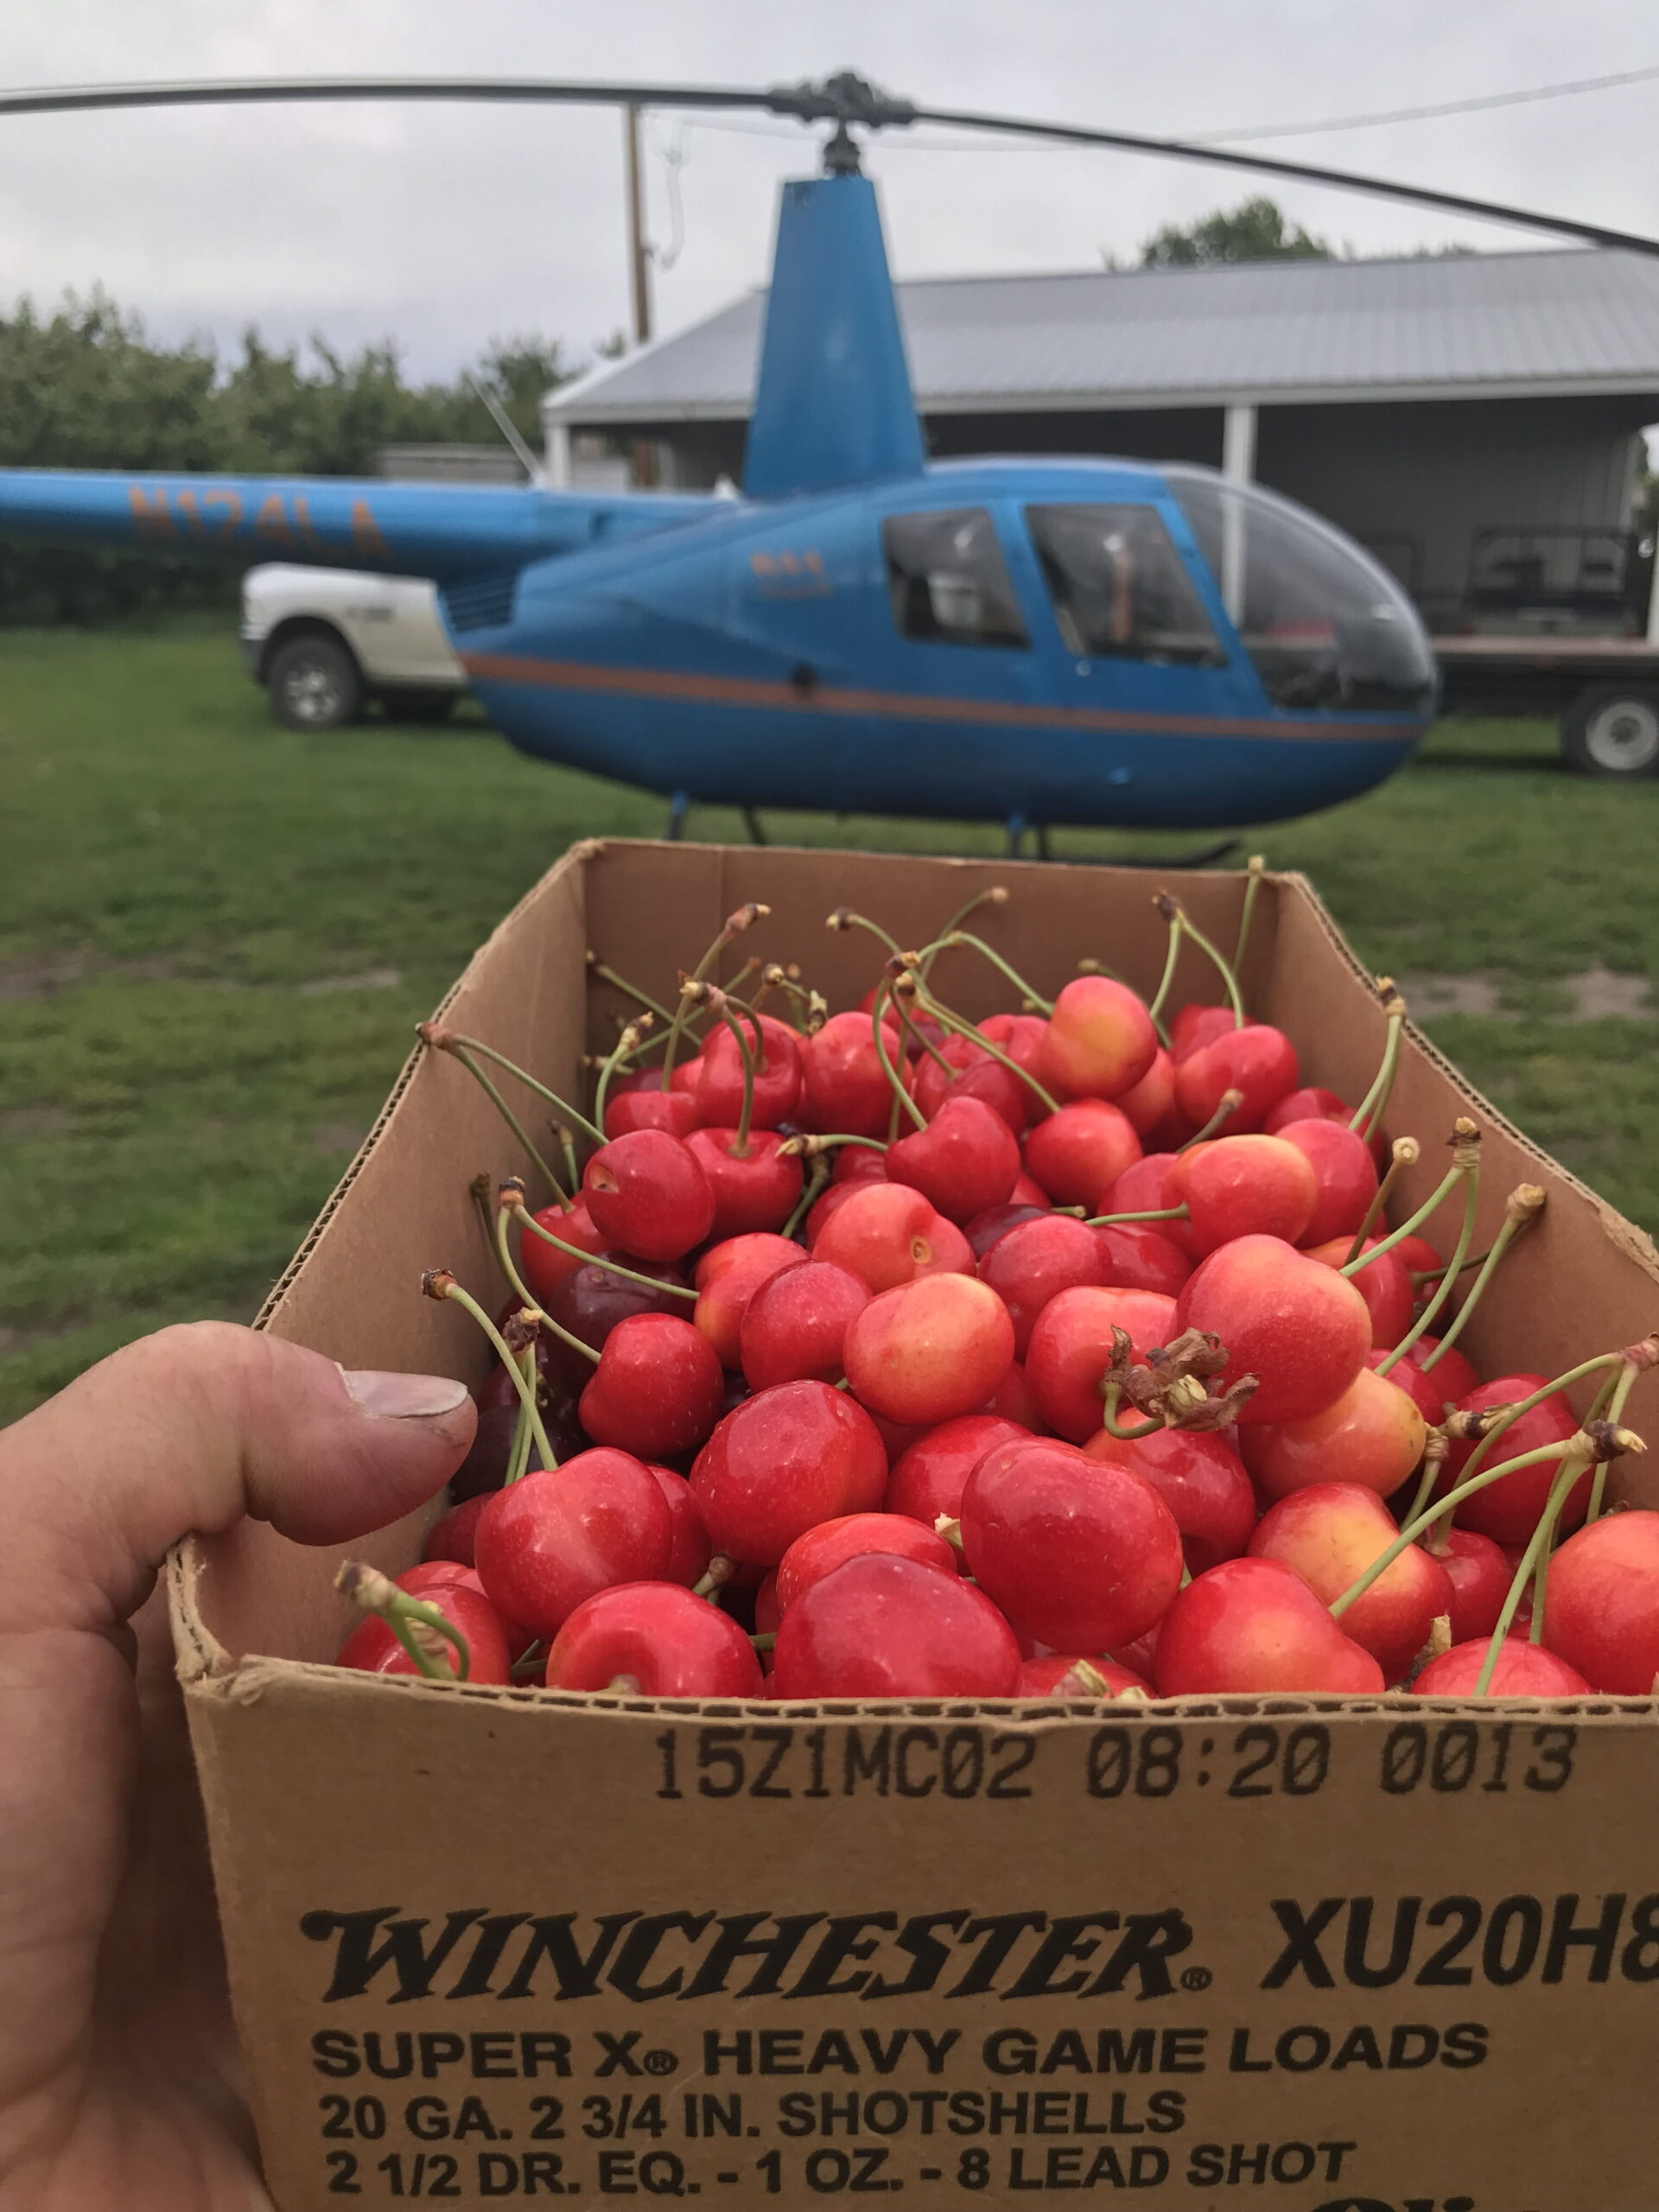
1473, 418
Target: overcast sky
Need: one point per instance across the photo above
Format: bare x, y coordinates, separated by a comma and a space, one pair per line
442, 226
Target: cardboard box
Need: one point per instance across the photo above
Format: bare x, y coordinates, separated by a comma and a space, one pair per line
502, 1946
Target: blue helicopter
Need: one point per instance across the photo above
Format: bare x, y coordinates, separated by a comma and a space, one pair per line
1035, 642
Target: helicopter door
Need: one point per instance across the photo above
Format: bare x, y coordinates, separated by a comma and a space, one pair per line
1129, 615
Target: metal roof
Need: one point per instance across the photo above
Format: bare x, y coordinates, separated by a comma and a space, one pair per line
1430, 328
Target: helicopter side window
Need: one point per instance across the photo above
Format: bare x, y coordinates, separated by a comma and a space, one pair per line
947, 579
1119, 588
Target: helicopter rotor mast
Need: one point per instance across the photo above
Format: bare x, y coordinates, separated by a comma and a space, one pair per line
845, 99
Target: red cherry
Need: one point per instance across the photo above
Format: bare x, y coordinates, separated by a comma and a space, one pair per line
1451, 1375
786, 1459
795, 1323
777, 1075
755, 1190
1019, 1035
1300, 1328
1138, 1257
452, 1534
965, 1160
1601, 1613
969, 1071
885, 1627
928, 1479
1344, 1174
1373, 1434
930, 1349
549, 1541
886, 1234
656, 1389
690, 1550
1383, 1284
627, 1110
1330, 1533
372, 1649
543, 1266
590, 1302
1509, 1511
766, 1615
647, 1194
857, 1163
1251, 1625
856, 1536
1045, 1255
1309, 1103
1191, 1027
727, 1277
1079, 1554
844, 1089
1012, 1401
1099, 1040
1028, 1192
687, 1075
1259, 1061
1522, 1670
1143, 1187
1070, 1349
1149, 1101
660, 1638
1078, 1154
1480, 1577
1054, 1675
983, 1230
1243, 1186
1200, 1479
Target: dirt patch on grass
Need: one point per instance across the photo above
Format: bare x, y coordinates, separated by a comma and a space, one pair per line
1597, 993
45, 975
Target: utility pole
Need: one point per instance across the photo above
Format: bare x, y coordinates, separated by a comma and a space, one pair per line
644, 455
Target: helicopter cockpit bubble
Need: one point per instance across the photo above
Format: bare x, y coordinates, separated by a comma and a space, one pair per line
1324, 625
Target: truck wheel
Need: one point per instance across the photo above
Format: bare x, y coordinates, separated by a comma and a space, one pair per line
1612, 729
313, 683
417, 706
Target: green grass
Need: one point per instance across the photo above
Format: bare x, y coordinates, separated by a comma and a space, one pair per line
177, 876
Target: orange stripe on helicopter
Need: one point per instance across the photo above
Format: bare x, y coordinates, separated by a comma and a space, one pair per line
748, 691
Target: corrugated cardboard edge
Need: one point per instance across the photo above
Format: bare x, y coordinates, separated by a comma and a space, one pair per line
207, 1669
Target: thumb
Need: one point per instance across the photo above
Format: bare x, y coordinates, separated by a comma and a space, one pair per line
189, 1430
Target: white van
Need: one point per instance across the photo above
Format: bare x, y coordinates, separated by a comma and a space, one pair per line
324, 642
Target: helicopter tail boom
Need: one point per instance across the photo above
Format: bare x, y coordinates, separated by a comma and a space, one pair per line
443, 532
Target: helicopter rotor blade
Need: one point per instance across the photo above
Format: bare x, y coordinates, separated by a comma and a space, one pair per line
1181, 149
232, 92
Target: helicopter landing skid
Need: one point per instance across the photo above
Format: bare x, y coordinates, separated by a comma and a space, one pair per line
1203, 858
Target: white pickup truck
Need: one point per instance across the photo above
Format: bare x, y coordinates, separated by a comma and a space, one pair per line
324, 642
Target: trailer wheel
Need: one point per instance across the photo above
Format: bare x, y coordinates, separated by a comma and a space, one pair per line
313, 684
1612, 729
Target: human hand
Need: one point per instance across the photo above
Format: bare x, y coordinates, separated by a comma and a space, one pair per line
119, 2074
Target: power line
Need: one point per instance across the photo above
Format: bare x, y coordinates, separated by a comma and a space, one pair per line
1422, 114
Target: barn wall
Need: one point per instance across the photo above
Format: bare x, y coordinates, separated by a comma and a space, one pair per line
1416, 480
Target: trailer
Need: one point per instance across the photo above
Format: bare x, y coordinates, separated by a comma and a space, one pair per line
1605, 692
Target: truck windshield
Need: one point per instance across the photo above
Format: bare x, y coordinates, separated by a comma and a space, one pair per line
1323, 624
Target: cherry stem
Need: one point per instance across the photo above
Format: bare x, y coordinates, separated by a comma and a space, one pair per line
1420, 1275
955, 1023
729, 930
811, 1190
954, 935
1511, 1415
901, 1098
1534, 1558
765, 1642
478, 1191
1404, 1155
897, 1000
1158, 1213
1173, 911
1256, 866
438, 1282
519, 1456
447, 1040
845, 918
950, 1528
633, 1035
1415, 1527
526, 1219
1125, 1431
1464, 1138
719, 1572
1615, 1406
512, 1121
597, 967
1171, 956
739, 1148
1226, 1106
420, 1627
1525, 1203
1372, 1107
1426, 1318
809, 1147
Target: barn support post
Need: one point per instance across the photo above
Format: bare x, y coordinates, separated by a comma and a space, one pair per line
1653, 601
559, 471
1238, 465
